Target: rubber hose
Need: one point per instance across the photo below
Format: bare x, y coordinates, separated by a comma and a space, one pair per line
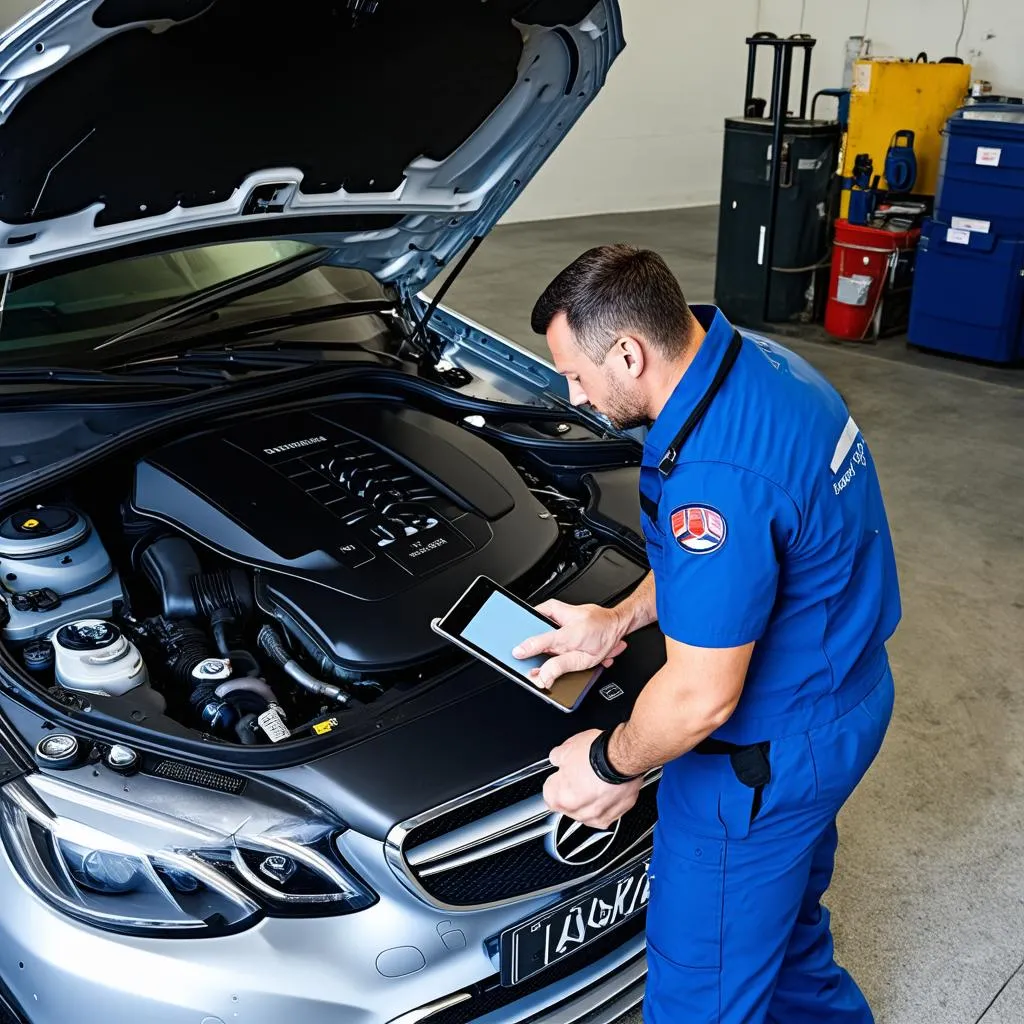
270, 643
902, 171
314, 685
229, 643
226, 589
247, 730
272, 646
249, 685
186, 647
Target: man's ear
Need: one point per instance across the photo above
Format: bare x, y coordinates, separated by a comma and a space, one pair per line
631, 352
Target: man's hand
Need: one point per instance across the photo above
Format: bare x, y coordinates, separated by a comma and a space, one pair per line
588, 636
575, 791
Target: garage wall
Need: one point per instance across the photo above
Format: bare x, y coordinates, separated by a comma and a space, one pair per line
12, 10
653, 137
992, 41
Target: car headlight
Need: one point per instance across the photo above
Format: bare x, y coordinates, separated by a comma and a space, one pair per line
117, 867
298, 874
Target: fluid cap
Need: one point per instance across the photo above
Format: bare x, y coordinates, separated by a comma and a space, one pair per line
41, 530
58, 750
38, 655
122, 759
94, 656
88, 635
212, 669
38, 522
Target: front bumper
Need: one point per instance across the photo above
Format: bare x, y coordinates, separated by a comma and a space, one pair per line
600, 994
309, 971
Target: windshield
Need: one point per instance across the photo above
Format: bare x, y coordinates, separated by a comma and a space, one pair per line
58, 320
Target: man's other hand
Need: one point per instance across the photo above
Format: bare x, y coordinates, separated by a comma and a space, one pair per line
575, 791
588, 636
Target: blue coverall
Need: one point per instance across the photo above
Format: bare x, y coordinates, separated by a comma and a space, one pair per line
769, 527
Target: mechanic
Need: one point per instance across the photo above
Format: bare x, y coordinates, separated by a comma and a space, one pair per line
773, 581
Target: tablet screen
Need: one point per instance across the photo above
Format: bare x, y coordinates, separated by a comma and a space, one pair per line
489, 623
501, 624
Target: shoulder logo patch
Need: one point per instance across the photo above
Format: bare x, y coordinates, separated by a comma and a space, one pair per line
699, 529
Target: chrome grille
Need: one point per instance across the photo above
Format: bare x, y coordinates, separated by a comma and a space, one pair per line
498, 845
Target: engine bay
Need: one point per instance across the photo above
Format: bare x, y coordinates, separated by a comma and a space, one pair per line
353, 519
270, 576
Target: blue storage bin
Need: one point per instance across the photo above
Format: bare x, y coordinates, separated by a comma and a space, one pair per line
968, 295
981, 172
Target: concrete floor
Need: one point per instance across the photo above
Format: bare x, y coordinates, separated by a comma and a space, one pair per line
928, 898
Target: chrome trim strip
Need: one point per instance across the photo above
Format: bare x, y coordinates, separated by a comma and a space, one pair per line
483, 830
611, 998
395, 843
487, 850
522, 775
599, 994
428, 1011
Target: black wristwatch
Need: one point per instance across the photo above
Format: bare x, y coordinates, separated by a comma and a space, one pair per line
602, 766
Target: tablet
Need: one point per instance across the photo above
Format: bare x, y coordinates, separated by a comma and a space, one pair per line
488, 621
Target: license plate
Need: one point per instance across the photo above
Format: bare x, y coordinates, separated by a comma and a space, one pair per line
538, 944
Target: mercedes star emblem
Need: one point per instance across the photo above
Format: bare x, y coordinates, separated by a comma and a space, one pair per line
574, 843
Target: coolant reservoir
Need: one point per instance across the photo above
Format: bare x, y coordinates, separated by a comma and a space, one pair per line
94, 656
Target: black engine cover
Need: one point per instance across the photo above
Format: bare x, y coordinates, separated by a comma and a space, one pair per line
363, 520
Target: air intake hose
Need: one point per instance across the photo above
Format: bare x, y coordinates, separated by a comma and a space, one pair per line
172, 566
221, 708
224, 598
185, 647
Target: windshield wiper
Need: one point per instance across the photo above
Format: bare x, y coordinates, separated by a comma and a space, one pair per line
169, 363
210, 299
261, 355
267, 325
77, 375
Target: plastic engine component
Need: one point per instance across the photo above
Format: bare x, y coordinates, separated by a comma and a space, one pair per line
173, 568
38, 656
217, 702
51, 548
362, 521
54, 569
93, 656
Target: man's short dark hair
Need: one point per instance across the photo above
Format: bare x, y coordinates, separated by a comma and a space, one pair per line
617, 289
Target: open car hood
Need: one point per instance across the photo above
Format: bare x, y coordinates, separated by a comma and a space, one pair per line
391, 131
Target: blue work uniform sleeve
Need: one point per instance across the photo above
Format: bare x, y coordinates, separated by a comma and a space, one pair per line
724, 531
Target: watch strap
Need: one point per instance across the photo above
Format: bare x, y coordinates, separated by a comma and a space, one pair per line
602, 766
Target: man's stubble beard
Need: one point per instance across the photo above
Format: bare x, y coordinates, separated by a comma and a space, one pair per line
626, 410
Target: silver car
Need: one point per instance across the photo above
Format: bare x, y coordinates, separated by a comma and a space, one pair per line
243, 464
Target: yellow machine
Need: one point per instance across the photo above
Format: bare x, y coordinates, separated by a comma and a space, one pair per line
892, 93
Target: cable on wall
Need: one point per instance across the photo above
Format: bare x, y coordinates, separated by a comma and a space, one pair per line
965, 6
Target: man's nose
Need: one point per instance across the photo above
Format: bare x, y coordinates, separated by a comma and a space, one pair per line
577, 396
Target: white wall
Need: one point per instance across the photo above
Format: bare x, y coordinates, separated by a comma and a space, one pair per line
652, 139
992, 42
12, 10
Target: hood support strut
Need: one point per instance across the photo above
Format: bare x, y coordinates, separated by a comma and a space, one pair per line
419, 337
